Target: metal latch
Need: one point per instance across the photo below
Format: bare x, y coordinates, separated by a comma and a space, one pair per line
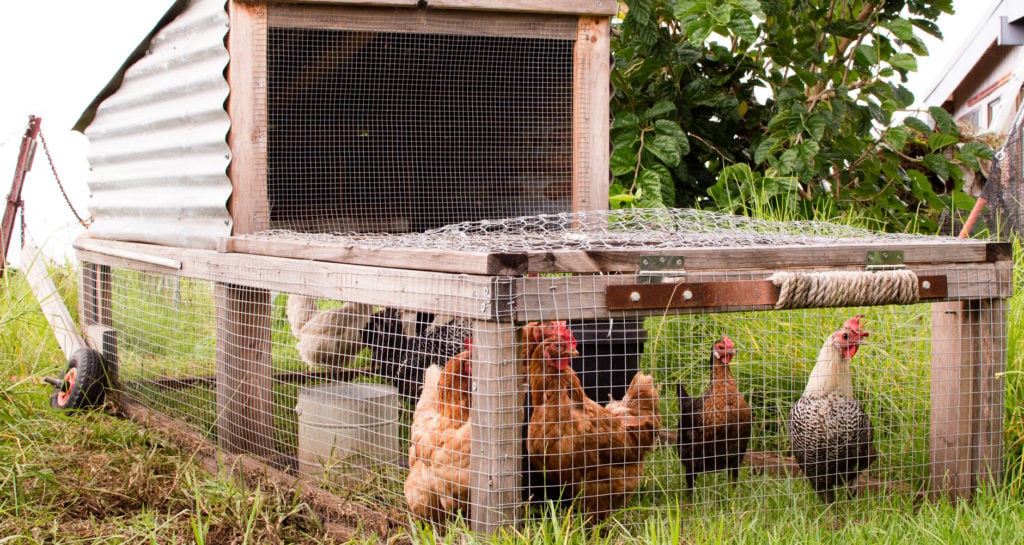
654, 268
885, 260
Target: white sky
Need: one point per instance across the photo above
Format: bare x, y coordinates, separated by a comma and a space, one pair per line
56, 55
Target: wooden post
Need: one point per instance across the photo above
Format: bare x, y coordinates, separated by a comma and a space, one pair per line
247, 107
591, 96
245, 395
968, 352
496, 418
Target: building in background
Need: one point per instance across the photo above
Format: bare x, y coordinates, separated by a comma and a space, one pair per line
981, 84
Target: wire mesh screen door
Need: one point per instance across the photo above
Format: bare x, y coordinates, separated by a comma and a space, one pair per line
383, 120
589, 377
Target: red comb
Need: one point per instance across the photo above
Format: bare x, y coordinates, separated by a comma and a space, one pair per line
853, 324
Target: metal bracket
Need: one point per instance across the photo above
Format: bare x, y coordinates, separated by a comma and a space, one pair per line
887, 260
652, 265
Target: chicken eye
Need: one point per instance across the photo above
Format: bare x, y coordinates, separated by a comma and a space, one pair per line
846, 336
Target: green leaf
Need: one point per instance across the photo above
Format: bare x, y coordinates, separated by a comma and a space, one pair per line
918, 125
937, 164
622, 161
901, 28
765, 148
943, 121
896, 137
940, 140
625, 119
669, 128
650, 189
904, 61
665, 148
659, 109
815, 126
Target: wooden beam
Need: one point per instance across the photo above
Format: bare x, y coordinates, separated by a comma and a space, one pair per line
991, 352
540, 298
590, 7
245, 385
597, 261
591, 115
63, 326
967, 396
496, 419
462, 295
952, 376
247, 107
423, 21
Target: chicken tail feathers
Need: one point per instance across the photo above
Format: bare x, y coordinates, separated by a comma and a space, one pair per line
299, 310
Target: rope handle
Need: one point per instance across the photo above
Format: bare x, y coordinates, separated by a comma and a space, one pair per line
845, 288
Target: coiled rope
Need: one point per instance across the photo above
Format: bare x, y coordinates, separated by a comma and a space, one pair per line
845, 288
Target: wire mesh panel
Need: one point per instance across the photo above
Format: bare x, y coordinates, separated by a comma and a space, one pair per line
445, 119
1004, 190
626, 398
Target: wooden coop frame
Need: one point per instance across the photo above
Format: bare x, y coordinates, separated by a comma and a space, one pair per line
967, 282
589, 28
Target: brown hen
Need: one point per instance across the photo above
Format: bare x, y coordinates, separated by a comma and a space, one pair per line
438, 483
594, 452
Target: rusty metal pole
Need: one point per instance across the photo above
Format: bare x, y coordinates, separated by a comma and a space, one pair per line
25, 156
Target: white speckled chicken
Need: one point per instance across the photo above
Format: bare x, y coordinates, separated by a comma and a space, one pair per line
327, 338
829, 431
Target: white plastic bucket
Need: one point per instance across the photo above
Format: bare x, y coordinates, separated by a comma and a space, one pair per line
347, 429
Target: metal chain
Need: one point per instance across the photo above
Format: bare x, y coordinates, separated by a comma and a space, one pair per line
59, 184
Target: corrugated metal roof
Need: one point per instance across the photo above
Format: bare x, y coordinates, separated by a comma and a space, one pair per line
158, 142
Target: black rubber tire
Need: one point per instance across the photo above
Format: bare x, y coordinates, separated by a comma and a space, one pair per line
83, 384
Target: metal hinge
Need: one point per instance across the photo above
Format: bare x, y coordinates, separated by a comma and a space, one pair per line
885, 260
654, 268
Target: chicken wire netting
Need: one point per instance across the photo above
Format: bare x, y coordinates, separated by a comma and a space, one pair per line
1004, 190
424, 120
638, 229
343, 393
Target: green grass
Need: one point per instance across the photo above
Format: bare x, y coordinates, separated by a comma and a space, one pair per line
94, 478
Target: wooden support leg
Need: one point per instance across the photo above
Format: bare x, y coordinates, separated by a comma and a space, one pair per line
245, 395
496, 418
968, 353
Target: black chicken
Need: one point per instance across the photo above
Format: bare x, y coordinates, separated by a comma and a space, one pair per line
714, 429
402, 358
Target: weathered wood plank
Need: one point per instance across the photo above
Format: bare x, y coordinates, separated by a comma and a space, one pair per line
585, 296
420, 21
463, 295
591, 96
63, 326
496, 418
399, 258
953, 331
608, 261
245, 385
990, 349
247, 77
730, 258
588, 7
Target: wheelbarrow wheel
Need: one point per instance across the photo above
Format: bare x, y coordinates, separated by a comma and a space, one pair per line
83, 383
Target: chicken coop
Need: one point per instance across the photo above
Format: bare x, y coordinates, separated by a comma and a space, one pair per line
365, 245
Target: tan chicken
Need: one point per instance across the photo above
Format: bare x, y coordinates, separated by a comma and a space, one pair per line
594, 452
438, 483
327, 338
